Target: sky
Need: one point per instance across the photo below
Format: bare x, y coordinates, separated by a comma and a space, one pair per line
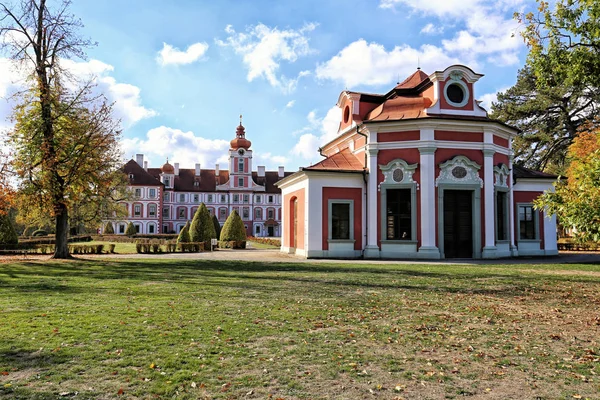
181, 72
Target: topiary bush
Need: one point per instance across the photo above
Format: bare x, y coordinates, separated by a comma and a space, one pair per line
202, 228
108, 229
184, 235
130, 231
8, 235
217, 225
233, 231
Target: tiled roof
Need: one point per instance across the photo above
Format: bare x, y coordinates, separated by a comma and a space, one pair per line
400, 108
522, 172
140, 176
342, 161
413, 81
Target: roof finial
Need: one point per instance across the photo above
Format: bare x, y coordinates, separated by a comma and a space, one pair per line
418, 63
398, 78
240, 119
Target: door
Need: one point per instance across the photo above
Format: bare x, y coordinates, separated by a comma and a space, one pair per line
270, 231
295, 223
458, 223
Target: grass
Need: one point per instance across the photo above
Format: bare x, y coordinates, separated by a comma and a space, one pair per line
120, 247
239, 330
258, 245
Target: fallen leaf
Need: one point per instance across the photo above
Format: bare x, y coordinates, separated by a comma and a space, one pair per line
152, 366
120, 392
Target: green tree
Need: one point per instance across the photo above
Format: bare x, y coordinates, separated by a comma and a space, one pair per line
576, 201
184, 234
108, 229
8, 235
202, 228
233, 228
65, 142
130, 230
217, 225
548, 118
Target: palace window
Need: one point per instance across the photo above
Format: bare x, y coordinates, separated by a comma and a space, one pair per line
246, 213
151, 228
246, 198
196, 198
166, 212
398, 214
152, 210
166, 197
258, 198
152, 193
137, 210
182, 198
222, 213
223, 198
501, 215
270, 198
340, 220
270, 213
138, 193
257, 213
121, 228
210, 198
138, 228
182, 213
240, 165
240, 182
528, 226
167, 181
236, 198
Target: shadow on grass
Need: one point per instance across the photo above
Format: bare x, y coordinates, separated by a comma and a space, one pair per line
274, 276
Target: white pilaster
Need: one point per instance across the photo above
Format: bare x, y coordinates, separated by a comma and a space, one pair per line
550, 245
372, 250
489, 248
428, 248
511, 209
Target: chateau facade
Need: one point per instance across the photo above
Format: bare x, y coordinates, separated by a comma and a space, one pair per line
420, 172
165, 198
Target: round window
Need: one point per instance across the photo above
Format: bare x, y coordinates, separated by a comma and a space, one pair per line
455, 93
346, 114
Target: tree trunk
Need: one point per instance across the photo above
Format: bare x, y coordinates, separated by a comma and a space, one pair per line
61, 250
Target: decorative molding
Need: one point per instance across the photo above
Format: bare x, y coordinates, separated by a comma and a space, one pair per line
398, 172
501, 174
459, 170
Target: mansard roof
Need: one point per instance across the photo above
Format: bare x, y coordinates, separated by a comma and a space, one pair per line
140, 175
525, 173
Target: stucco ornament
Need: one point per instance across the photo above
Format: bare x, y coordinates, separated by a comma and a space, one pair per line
501, 174
459, 170
456, 75
398, 172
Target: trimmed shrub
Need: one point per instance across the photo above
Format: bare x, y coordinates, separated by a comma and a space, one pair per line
184, 235
108, 229
233, 231
202, 228
217, 226
130, 231
40, 232
8, 235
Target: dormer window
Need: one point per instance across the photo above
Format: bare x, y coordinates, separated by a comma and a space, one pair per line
167, 181
456, 91
131, 176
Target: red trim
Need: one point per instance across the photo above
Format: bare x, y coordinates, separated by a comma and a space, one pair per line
500, 141
398, 136
336, 193
452, 136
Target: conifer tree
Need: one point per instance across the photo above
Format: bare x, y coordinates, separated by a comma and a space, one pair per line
202, 228
217, 226
108, 229
130, 231
233, 229
184, 235
8, 235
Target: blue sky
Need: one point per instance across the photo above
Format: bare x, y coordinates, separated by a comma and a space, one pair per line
181, 72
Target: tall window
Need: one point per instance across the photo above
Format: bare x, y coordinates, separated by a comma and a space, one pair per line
182, 213
137, 210
222, 213
151, 228
270, 198
138, 193
166, 197
196, 198
152, 211
340, 221
167, 181
152, 193
501, 216
121, 228
527, 222
398, 214
210, 198
236, 198
246, 198
166, 212
240, 182
270, 213
240, 165
258, 198
182, 198
246, 213
257, 213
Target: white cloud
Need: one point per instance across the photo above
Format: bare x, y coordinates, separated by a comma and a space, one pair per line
264, 49
488, 98
187, 149
490, 30
362, 63
172, 55
126, 97
431, 29
290, 104
318, 132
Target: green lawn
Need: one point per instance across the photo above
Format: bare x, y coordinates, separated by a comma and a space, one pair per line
234, 330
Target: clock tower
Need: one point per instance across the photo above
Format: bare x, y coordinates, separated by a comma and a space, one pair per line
240, 160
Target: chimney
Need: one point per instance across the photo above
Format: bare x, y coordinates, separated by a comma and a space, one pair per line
217, 170
280, 172
261, 171
146, 165
139, 158
197, 169
176, 165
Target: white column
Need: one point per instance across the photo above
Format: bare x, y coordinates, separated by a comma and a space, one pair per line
428, 248
372, 250
511, 209
489, 247
550, 245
